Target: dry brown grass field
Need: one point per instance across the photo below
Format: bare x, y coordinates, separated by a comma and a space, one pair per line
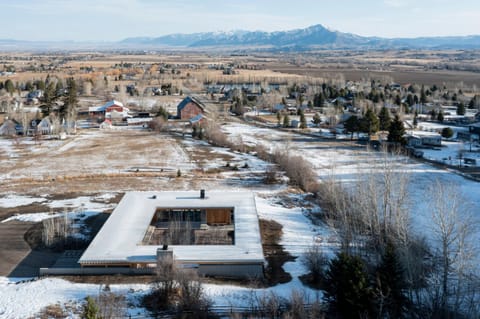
424, 67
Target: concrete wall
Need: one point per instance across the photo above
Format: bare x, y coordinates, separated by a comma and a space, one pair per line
232, 271
96, 271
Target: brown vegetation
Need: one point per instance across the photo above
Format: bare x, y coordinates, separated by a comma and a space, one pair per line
275, 254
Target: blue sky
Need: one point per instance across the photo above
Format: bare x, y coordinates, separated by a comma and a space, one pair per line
113, 20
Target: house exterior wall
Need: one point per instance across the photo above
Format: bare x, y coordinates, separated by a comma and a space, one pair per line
413, 141
434, 141
114, 108
190, 110
231, 270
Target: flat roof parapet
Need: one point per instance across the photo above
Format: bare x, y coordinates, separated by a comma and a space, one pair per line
120, 238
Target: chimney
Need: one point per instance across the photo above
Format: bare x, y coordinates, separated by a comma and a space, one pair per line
202, 194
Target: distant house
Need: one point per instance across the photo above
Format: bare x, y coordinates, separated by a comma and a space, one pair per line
189, 108
467, 136
111, 109
295, 123
424, 140
10, 128
34, 96
474, 128
45, 127
278, 108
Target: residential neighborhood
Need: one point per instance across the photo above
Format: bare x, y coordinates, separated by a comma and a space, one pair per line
157, 165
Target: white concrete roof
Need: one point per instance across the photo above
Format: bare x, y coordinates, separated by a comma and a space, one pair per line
120, 238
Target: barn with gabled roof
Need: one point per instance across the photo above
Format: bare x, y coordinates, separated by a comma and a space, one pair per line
189, 108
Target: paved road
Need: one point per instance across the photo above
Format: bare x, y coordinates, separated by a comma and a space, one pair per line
16, 257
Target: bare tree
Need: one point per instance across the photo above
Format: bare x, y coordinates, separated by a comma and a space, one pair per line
452, 229
111, 305
55, 230
382, 200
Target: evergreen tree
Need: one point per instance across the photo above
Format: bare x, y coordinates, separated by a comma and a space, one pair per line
70, 100
447, 132
398, 100
48, 99
423, 95
410, 100
286, 121
90, 309
369, 123
415, 119
9, 86
347, 289
391, 285
318, 100
396, 131
440, 116
316, 119
461, 109
40, 85
29, 86
303, 120
352, 125
384, 119
474, 102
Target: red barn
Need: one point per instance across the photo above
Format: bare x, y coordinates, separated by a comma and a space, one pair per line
189, 108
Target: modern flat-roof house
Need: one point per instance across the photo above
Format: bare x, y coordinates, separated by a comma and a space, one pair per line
216, 233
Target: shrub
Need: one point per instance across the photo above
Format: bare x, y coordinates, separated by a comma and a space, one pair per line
90, 309
447, 132
315, 261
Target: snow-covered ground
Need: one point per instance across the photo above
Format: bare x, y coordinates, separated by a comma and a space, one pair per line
23, 299
453, 153
298, 234
89, 152
345, 163
348, 165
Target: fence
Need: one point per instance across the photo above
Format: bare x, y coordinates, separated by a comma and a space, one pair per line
96, 271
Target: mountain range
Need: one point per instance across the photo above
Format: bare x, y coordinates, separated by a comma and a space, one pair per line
314, 37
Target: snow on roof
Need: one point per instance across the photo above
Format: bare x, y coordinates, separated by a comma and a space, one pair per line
120, 238
196, 118
421, 134
105, 106
189, 99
